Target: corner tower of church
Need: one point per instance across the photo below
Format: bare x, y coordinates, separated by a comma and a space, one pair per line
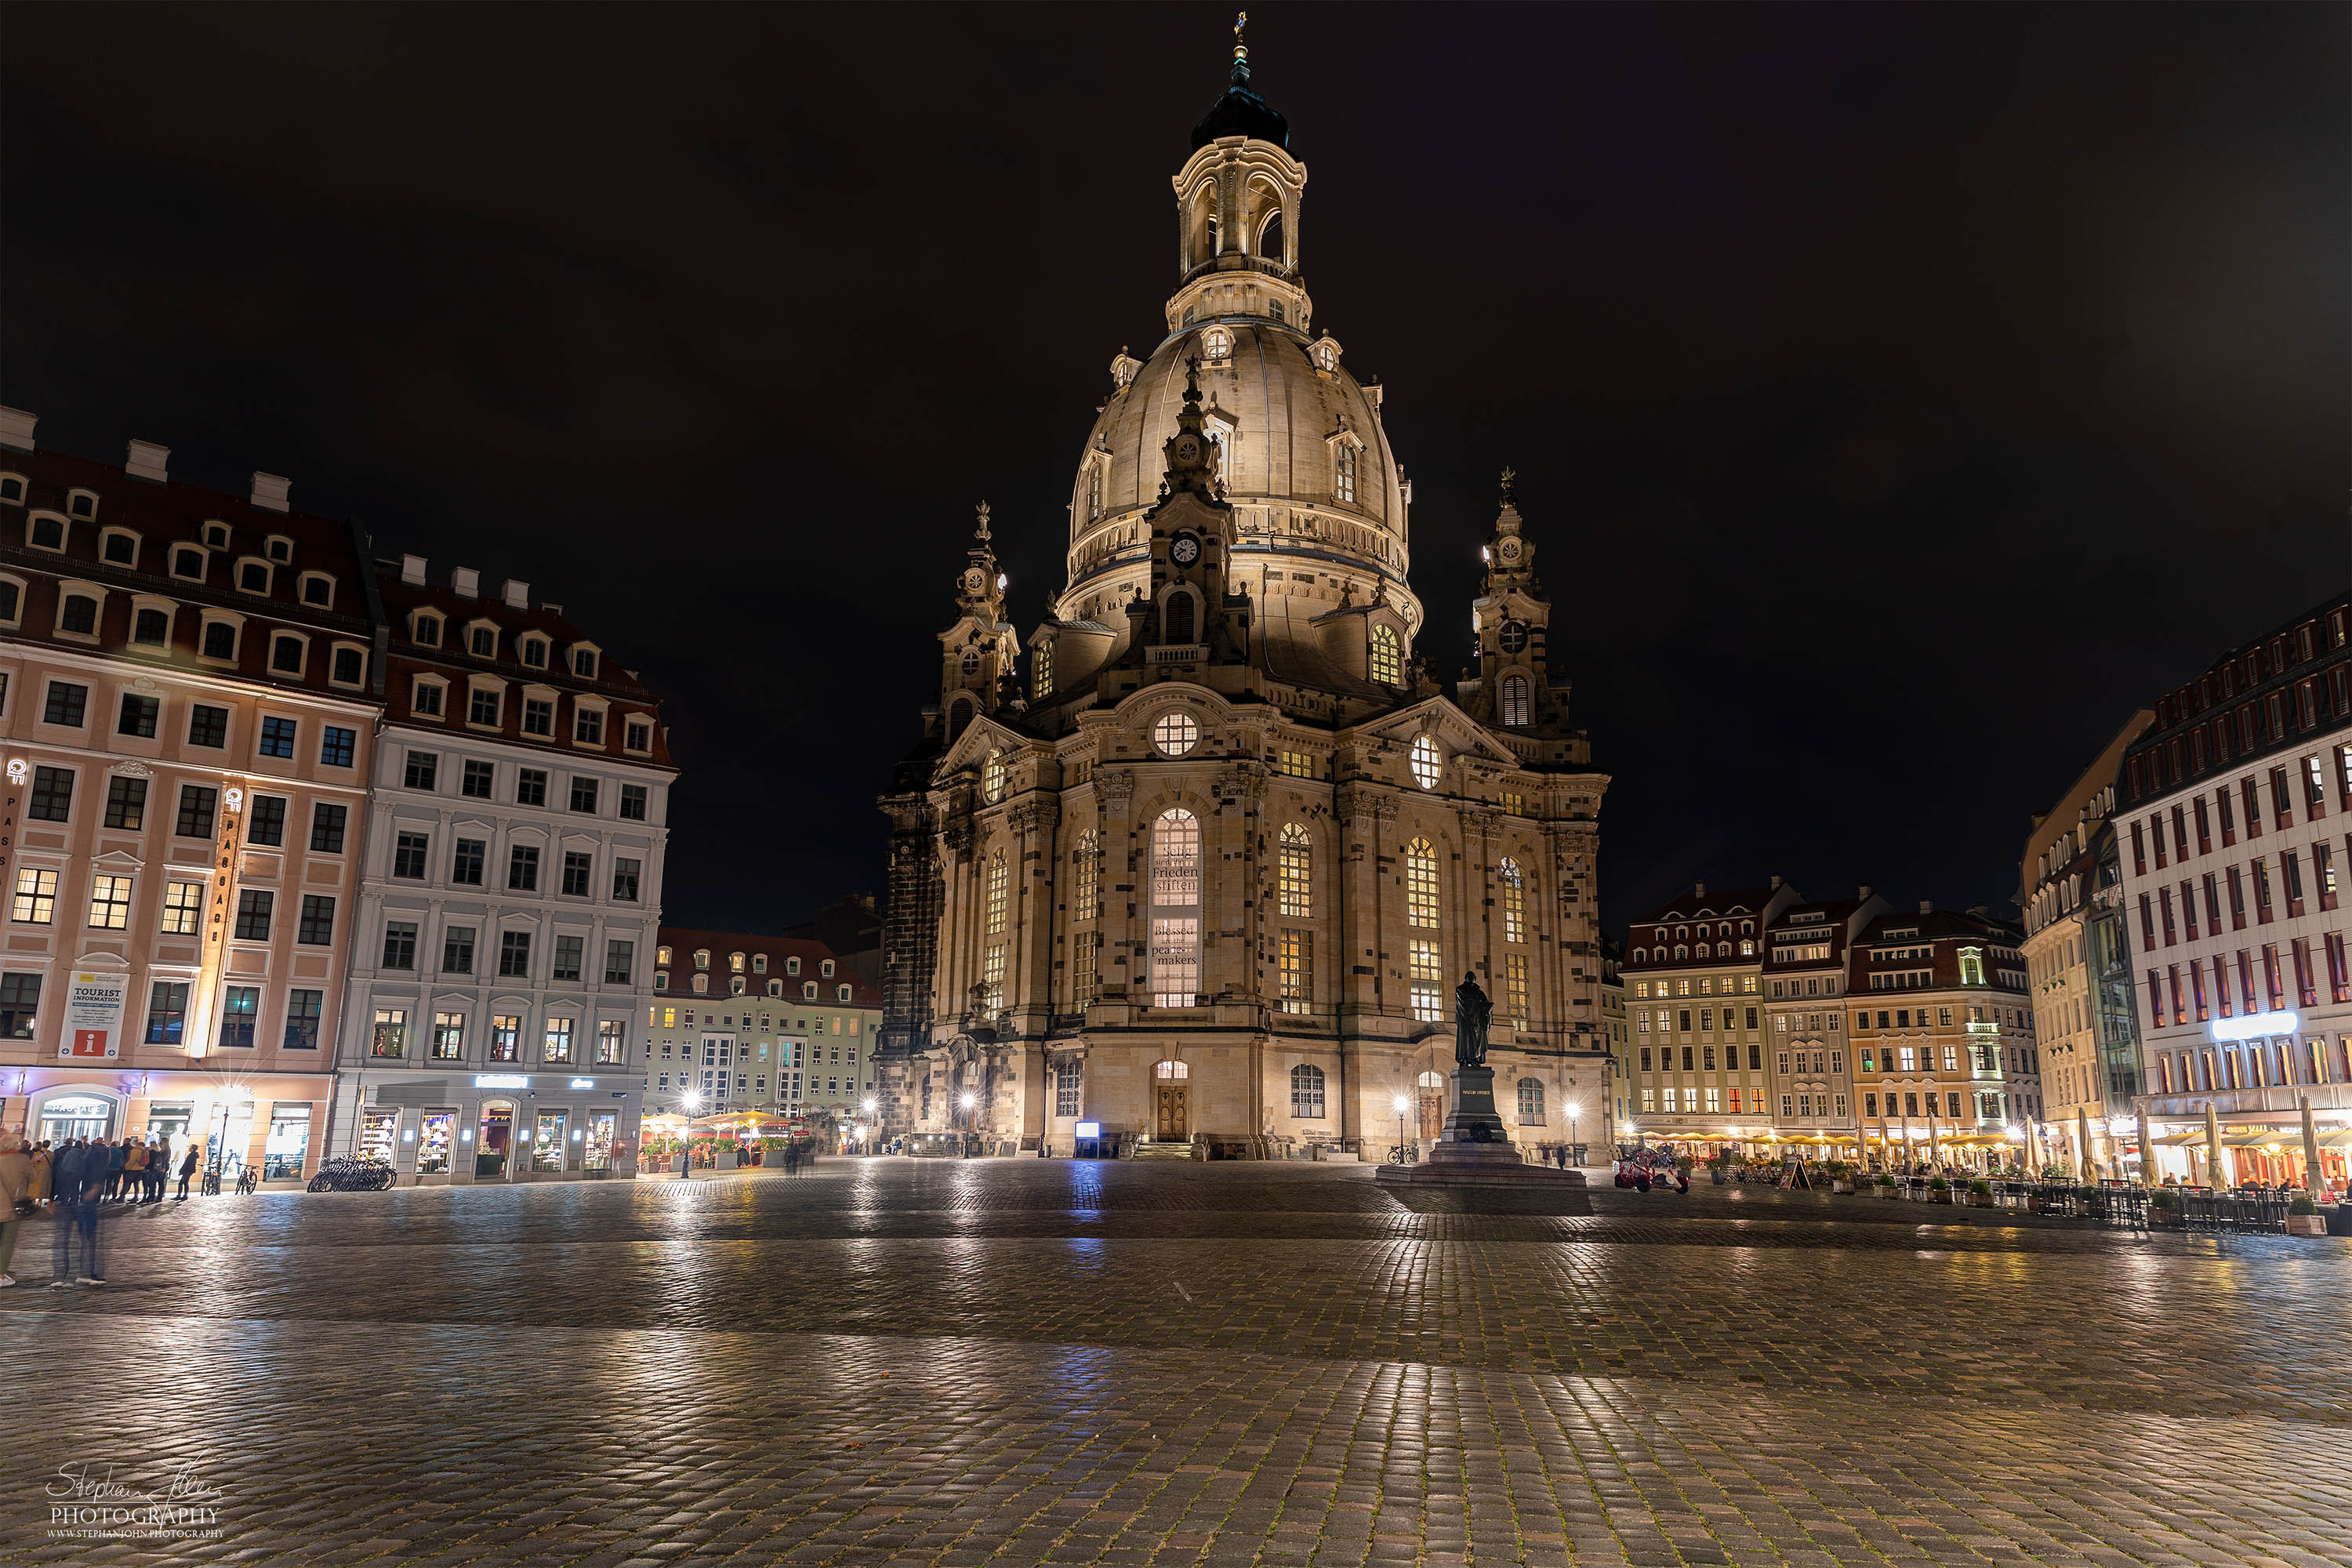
1204, 880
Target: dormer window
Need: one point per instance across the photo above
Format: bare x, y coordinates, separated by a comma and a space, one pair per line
82, 503
1385, 660
1217, 344
46, 533
253, 577
661, 957
637, 735
735, 962
1326, 356
318, 589
12, 489
759, 963
534, 652
792, 966
701, 958
217, 536
826, 968
482, 641
286, 654
119, 547
427, 632
808, 990
278, 548
1344, 461
583, 662
188, 564
841, 992
775, 988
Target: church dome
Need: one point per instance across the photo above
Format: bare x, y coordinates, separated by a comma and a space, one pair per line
1303, 460
1241, 112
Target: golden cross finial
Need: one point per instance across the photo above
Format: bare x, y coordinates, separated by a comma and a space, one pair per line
1241, 50
1511, 476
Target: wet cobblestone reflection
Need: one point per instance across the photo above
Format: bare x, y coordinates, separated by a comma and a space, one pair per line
898, 1362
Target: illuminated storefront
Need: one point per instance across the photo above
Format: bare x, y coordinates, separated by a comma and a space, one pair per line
460, 1130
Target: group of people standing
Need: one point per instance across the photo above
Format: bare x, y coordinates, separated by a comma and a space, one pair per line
75, 1181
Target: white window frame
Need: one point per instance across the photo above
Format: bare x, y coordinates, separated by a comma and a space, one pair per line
359, 647
77, 588
64, 530
485, 683
23, 589
171, 609
173, 554
270, 665
268, 575
438, 682
302, 590
111, 530
236, 624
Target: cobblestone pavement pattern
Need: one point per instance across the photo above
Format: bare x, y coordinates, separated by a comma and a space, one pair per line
898, 1363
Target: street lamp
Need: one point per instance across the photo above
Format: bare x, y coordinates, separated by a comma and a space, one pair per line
1573, 1111
1402, 1104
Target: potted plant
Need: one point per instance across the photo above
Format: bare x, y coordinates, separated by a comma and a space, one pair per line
1980, 1194
1716, 1165
1940, 1191
1886, 1186
2303, 1218
2164, 1209
1840, 1176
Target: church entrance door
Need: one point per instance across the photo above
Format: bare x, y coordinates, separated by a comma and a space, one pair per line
1171, 1125
1432, 1105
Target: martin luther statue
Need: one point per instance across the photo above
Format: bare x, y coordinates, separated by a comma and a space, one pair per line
1472, 1011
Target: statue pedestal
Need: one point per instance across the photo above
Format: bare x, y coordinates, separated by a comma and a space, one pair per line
1473, 1119
1475, 1169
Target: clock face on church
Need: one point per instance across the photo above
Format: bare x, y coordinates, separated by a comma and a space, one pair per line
1188, 449
1510, 550
1512, 637
1185, 548
975, 581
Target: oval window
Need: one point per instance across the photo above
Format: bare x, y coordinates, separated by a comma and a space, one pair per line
1176, 733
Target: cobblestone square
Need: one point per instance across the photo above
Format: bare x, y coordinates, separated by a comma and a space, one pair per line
1016, 1362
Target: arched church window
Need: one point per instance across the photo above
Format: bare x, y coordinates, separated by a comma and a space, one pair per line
1307, 1092
1175, 908
1428, 762
1269, 238
1421, 884
991, 777
1176, 620
1531, 1098
1041, 672
1094, 490
1515, 900
1344, 459
1295, 872
1387, 661
960, 714
1518, 699
1084, 865
1176, 733
999, 888
1171, 1069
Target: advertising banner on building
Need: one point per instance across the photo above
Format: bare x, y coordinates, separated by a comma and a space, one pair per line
93, 1025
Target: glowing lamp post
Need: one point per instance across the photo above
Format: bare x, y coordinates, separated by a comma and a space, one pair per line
1402, 1104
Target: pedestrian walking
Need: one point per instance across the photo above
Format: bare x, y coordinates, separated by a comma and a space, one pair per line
15, 1199
187, 1167
80, 1173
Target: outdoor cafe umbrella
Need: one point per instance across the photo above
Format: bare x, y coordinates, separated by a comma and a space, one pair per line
2213, 1148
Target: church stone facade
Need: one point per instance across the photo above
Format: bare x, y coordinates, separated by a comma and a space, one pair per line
1200, 861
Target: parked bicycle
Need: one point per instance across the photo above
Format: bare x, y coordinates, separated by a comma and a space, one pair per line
211, 1185
249, 1181
353, 1177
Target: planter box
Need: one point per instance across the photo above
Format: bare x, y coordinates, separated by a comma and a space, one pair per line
1936, 1198
1886, 1192
1980, 1200
1841, 1187
2166, 1219
2305, 1224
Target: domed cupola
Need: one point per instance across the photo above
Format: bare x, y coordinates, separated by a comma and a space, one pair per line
1242, 112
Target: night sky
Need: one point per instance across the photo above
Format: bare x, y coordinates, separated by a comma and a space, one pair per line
1902, 395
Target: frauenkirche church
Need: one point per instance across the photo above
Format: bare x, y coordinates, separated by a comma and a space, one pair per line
1203, 882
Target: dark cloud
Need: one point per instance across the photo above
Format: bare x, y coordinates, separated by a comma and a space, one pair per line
1902, 394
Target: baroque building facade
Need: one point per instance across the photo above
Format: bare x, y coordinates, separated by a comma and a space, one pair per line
188, 708
1205, 883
